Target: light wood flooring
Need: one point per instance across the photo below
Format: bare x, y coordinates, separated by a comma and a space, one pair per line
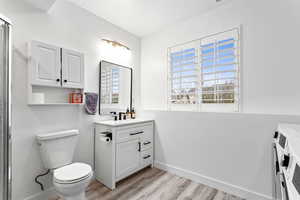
155, 184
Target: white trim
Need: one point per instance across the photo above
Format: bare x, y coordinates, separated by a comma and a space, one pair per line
5, 19
42, 195
209, 181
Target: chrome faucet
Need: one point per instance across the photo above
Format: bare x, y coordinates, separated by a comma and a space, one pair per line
114, 115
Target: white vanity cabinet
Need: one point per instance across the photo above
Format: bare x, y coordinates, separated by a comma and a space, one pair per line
130, 149
54, 66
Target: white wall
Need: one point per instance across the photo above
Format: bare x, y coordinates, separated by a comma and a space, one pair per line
228, 151
231, 148
68, 26
270, 76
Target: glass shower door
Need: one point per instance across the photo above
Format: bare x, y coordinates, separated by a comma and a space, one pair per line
5, 122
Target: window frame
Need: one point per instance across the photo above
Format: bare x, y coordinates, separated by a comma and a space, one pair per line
208, 107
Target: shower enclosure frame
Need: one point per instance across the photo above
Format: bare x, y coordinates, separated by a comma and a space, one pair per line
6, 111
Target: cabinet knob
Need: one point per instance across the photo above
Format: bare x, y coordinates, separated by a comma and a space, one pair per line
275, 135
140, 132
65, 81
145, 157
139, 149
57, 80
285, 161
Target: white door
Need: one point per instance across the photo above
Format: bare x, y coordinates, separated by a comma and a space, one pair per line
127, 158
72, 69
45, 64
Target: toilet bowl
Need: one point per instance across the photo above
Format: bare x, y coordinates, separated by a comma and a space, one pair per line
71, 180
57, 151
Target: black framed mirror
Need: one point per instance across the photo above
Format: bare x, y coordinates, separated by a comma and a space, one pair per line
115, 88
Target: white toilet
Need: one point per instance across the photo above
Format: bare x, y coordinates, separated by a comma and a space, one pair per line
57, 150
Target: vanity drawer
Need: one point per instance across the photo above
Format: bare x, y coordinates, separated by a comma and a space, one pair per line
147, 138
143, 131
126, 134
146, 157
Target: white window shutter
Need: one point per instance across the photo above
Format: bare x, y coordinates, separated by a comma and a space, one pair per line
206, 72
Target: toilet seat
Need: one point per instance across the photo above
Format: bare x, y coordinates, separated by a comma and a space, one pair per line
72, 173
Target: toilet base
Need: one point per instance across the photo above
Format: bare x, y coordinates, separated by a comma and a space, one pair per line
77, 197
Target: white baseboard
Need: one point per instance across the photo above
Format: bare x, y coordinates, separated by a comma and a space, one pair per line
43, 195
220, 185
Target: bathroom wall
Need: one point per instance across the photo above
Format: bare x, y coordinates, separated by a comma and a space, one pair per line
68, 26
269, 72
230, 151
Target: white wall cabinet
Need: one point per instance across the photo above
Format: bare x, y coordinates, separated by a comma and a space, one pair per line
72, 69
45, 64
130, 150
55, 67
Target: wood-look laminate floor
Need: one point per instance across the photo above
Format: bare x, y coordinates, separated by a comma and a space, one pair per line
155, 184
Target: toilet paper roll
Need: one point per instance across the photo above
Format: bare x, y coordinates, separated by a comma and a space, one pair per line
105, 139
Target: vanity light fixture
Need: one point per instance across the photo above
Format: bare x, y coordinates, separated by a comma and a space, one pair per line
115, 43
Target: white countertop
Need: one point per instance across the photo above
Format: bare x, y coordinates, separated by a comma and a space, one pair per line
123, 122
290, 130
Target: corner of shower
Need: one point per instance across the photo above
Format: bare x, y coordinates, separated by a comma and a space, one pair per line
5, 109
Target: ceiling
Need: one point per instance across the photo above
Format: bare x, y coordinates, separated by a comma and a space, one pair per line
44, 5
143, 17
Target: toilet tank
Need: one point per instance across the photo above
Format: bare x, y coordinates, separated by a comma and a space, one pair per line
57, 148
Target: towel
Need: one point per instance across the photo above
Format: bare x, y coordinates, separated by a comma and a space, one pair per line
91, 100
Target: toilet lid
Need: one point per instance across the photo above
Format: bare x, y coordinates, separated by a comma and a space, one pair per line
72, 172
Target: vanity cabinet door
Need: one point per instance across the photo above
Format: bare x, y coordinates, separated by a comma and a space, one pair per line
72, 69
45, 64
127, 158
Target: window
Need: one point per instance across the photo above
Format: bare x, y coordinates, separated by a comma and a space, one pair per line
110, 83
184, 76
204, 73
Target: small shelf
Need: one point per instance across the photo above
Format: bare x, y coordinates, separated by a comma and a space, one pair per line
55, 104
52, 96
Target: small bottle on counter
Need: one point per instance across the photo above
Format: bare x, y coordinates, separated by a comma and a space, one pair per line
132, 113
128, 115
